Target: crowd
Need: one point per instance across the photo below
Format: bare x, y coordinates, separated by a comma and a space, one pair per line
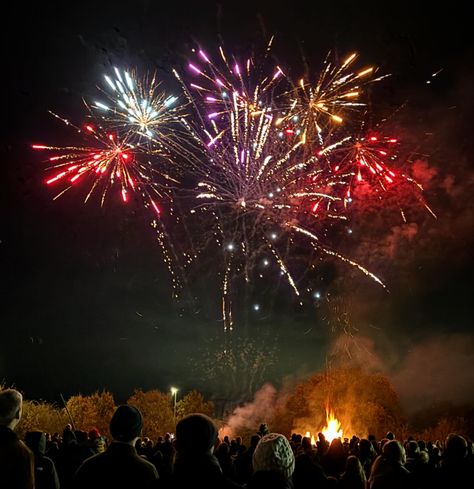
197, 458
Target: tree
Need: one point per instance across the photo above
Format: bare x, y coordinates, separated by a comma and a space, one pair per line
94, 411
157, 412
194, 402
363, 403
41, 416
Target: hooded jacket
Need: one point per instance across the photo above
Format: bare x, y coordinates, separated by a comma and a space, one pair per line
16, 462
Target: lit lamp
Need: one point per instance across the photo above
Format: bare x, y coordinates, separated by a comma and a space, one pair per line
174, 391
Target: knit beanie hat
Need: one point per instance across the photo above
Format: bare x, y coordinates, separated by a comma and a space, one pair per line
195, 433
126, 423
94, 434
274, 452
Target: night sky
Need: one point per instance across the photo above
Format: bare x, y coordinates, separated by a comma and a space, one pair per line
86, 301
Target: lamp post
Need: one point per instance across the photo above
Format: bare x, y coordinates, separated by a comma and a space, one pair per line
174, 391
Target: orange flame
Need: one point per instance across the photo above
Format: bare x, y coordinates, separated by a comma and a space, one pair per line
333, 428
309, 435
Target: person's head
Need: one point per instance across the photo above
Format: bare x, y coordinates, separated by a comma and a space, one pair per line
223, 450
412, 449
81, 436
306, 443
365, 447
354, 468
456, 447
126, 424
195, 434
335, 447
274, 453
390, 436
69, 436
394, 452
10, 408
36, 441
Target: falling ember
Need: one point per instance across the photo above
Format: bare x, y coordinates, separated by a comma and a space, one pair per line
333, 428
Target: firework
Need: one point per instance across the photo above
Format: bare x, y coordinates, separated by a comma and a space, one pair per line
106, 161
256, 167
312, 109
368, 158
256, 195
141, 110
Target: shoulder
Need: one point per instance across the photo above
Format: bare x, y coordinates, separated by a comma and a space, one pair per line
47, 462
90, 463
145, 465
23, 450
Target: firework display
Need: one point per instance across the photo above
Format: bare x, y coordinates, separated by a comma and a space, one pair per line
259, 192
261, 167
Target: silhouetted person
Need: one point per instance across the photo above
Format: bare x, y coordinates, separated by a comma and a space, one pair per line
16, 460
167, 450
263, 430
223, 456
322, 445
354, 476
273, 463
308, 472
46, 476
334, 460
366, 455
195, 465
243, 464
388, 470
119, 466
456, 468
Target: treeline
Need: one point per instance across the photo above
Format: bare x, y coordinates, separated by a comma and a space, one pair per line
95, 411
364, 403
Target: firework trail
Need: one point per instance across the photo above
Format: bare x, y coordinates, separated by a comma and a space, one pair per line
108, 162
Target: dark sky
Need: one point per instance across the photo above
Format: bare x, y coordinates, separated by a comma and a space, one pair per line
86, 300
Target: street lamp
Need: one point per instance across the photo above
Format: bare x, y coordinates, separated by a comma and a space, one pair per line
174, 391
